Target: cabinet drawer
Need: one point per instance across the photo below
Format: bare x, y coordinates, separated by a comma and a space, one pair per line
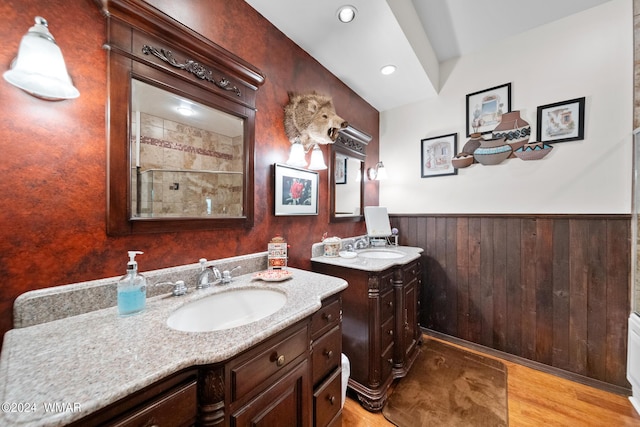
326, 354
327, 399
412, 271
326, 318
386, 334
178, 407
247, 375
386, 363
387, 306
386, 281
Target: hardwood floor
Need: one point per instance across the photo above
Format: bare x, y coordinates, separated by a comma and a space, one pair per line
535, 399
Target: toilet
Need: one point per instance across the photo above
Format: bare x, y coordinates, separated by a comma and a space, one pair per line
346, 370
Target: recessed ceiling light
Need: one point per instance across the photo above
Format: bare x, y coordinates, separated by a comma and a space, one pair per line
388, 69
347, 13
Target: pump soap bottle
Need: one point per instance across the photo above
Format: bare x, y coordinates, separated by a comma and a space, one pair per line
132, 288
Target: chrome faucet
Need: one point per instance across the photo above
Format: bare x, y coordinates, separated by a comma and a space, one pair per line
207, 276
179, 288
362, 243
226, 275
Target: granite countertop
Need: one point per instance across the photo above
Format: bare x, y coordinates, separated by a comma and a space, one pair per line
410, 253
88, 361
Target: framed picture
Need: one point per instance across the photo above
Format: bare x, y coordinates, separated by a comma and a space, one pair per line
296, 191
436, 156
561, 122
485, 108
341, 170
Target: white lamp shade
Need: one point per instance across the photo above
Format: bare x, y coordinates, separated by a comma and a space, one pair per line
317, 159
382, 172
296, 156
39, 68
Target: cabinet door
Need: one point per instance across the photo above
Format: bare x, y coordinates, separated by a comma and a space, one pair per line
411, 329
286, 403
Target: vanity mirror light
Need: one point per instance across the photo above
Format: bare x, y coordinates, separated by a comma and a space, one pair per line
181, 118
346, 183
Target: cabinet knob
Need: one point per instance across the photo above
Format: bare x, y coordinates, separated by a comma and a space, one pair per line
278, 359
390, 332
390, 304
327, 317
328, 353
331, 399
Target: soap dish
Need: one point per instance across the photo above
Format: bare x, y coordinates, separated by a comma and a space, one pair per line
348, 254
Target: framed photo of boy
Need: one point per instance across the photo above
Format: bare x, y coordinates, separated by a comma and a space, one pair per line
561, 122
296, 191
436, 155
485, 108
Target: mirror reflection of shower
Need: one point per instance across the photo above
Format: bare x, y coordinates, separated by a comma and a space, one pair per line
187, 159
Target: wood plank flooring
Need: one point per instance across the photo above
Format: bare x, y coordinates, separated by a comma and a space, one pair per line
535, 399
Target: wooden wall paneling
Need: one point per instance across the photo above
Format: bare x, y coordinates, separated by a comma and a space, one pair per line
428, 245
560, 322
596, 300
462, 276
451, 271
499, 283
544, 291
618, 250
553, 289
514, 287
475, 315
441, 299
529, 262
578, 279
485, 298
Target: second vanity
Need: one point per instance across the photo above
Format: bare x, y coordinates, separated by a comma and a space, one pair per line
97, 368
380, 316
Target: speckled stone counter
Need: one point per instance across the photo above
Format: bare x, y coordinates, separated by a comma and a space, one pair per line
88, 361
371, 264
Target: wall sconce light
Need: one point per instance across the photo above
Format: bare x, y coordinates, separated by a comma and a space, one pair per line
317, 159
296, 155
377, 173
39, 67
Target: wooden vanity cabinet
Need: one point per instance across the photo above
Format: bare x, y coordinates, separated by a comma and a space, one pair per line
292, 378
326, 359
380, 331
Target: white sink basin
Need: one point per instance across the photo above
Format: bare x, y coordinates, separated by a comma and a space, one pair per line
226, 310
381, 254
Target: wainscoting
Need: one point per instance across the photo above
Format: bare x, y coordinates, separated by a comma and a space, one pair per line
553, 289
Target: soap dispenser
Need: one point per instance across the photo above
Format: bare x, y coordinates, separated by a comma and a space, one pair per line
132, 288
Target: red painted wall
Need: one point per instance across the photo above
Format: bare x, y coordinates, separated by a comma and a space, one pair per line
53, 154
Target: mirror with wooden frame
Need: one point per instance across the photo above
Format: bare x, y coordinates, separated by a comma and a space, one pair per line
181, 118
346, 176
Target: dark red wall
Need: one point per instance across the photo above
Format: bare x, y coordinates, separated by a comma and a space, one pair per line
53, 154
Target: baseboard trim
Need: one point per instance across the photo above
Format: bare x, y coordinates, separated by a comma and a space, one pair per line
612, 388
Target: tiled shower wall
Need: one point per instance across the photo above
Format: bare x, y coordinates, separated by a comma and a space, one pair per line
186, 171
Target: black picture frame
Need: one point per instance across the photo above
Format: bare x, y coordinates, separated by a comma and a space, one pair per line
485, 108
436, 154
341, 170
303, 200
561, 121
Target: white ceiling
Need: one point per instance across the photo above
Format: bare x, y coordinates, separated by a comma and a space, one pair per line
414, 35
